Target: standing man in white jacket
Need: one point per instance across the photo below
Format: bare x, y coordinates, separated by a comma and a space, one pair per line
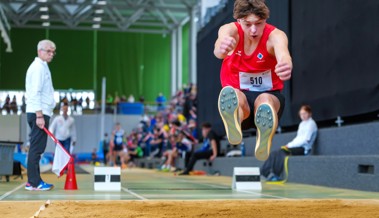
40, 104
63, 127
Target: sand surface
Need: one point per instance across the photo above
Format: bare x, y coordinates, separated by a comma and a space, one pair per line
215, 208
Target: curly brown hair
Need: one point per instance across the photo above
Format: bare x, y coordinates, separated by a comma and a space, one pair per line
243, 8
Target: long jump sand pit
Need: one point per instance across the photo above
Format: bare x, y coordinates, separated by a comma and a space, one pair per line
215, 208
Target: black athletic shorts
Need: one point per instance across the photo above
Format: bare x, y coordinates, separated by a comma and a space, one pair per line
251, 97
118, 147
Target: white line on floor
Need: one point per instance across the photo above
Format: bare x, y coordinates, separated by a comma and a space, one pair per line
10, 192
218, 186
251, 192
133, 193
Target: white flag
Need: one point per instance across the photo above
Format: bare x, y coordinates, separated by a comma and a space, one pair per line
61, 160
61, 156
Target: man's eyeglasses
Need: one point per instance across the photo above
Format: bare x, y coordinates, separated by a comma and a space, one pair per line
49, 51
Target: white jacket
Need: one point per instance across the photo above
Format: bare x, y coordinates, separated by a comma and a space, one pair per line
39, 88
304, 135
63, 128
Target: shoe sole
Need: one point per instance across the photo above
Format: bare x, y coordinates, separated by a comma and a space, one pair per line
266, 121
228, 104
38, 189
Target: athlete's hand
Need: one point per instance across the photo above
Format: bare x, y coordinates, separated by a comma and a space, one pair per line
227, 45
283, 70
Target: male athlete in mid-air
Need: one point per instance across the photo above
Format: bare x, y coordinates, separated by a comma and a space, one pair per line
256, 62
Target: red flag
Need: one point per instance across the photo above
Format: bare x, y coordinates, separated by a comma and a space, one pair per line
61, 156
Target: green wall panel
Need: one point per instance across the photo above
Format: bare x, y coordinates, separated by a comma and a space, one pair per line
72, 67
13, 66
133, 63
137, 64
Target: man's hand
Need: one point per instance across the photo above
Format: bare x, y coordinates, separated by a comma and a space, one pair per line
283, 70
227, 45
40, 122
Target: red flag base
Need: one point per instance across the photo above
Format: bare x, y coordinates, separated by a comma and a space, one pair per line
71, 177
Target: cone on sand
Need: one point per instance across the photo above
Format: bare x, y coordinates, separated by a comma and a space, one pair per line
71, 177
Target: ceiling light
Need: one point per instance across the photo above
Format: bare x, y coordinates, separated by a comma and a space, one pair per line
46, 24
43, 9
97, 19
42, 1
45, 16
96, 26
99, 11
101, 2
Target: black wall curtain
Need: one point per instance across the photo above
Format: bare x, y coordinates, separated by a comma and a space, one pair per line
335, 50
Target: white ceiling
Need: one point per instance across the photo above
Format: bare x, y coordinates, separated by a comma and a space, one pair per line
145, 16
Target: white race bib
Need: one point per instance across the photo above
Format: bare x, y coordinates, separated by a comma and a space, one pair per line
258, 82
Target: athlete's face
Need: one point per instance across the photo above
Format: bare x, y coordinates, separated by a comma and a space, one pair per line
304, 115
252, 26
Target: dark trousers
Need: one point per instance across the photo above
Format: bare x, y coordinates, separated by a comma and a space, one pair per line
275, 162
187, 158
105, 152
197, 156
66, 144
38, 141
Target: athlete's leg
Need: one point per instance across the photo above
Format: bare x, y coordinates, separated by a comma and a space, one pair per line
234, 108
266, 107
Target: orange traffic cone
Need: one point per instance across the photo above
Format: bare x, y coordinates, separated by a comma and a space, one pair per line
71, 177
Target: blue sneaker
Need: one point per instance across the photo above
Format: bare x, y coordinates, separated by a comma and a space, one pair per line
43, 186
274, 179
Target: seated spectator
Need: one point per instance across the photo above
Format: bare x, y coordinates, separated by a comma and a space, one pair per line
133, 152
142, 99
109, 100
123, 98
131, 99
167, 155
300, 145
94, 156
7, 105
209, 149
23, 106
180, 148
160, 100
13, 105
155, 143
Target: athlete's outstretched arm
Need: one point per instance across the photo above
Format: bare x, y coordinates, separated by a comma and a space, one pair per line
279, 41
226, 41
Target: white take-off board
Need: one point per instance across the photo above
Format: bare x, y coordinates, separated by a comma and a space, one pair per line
107, 179
246, 178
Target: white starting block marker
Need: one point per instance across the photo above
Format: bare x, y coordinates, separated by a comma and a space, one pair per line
107, 178
246, 178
